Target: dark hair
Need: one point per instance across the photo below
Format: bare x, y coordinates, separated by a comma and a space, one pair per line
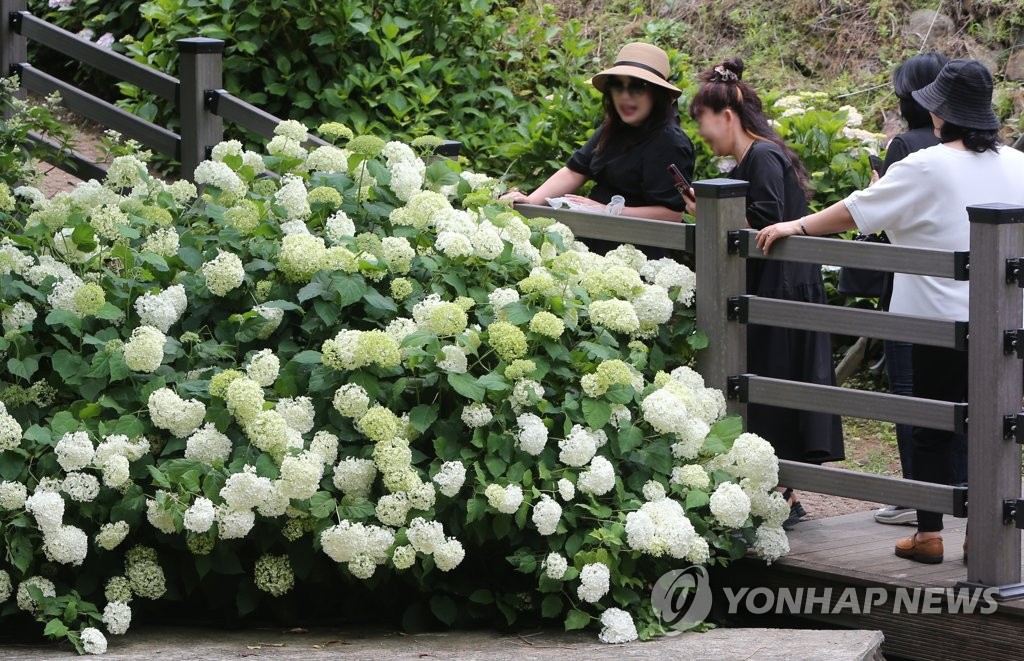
913, 74
976, 140
663, 109
722, 88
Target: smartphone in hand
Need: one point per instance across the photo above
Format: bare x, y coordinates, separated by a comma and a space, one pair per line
877, 164
682, 185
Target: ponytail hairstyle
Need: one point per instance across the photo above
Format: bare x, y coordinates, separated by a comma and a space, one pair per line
663, 109
723, 88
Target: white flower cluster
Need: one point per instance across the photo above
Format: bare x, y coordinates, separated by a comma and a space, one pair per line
594, 582
532, 435
208, 445
546, 515
598, 478
354, 477
476, 415
162, 310
450, 478
506, 500
427, 537
12, 495
730, 505
18, 315
555, 566
263, 367
292, 198
362, 547
617, 627
223, 273
579, 447
753, 458
660, 528
179, 416
144, 350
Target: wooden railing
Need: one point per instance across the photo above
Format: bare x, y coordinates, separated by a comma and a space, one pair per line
720, 243
200, 102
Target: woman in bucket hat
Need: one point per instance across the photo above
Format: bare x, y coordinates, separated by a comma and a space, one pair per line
921, 202
631, 150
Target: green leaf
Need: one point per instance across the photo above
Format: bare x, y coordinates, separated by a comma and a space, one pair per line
109, 312
576, 619
596, 413
494, 381
517, 313
64, 318
63, 423
696, 498
422, 416
312, 290
475, 509
322, 504
308, 357
440, 173
496, 465
551, 606
467, 386
55, 629
20, 551
24, 367
378, 301
443, 607
482, 596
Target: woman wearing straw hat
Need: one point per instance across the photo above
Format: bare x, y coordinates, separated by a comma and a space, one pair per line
921, 201
631, 150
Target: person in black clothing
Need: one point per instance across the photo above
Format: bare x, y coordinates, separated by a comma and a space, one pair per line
913, 74
733, 123
631, 150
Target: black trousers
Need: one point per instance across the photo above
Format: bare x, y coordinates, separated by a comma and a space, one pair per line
941, 374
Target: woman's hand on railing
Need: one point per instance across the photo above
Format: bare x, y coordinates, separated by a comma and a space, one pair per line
769, 235
516, 196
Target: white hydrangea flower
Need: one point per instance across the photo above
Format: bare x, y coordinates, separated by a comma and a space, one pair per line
66, 545
245, 490
18, 315
160, 518
454, 361
24, 597
162, 310
449, 555
93, 641
208, 445
450, 478
453, 244
325, 445
234, 524
351, 400
425, 536
664, 411
555, 566
117, 617
525, 392
5, 586
354, 477
578, 448
223, 273
339, 227
81, 487
362, 546
594, 582
501, 297
598, 479
566, 489
301, 475
618, 627
546, 515
12, 495
294, 227
293, 198
691, 476
392, 509
144, 350
111, 535
328, 158
116, 471
200, 515
263, 367
771, 543
179, 416
506, 500
653, 490
220, 176
48, 509
532, 435
730, 505
404, 557
74, 451
753, 458
476, 415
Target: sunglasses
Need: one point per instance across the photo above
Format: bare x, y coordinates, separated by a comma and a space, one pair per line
633, 87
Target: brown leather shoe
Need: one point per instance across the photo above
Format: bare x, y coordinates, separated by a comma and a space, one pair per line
928, 551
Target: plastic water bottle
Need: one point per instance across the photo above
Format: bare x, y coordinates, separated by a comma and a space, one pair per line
615, 206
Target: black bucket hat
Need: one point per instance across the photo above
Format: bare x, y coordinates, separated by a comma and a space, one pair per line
961, 95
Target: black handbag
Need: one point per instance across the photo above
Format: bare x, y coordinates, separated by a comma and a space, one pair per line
865, 283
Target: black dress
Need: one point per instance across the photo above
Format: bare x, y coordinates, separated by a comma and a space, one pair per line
775, 195
634, 164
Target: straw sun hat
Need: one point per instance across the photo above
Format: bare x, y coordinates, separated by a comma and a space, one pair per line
639, 60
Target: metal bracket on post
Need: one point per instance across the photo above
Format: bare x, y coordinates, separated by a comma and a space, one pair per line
736, 308
737, 386
733, 242
1013, 271
961, 265
1013, 342
14, 19
1013, 512
1013, 428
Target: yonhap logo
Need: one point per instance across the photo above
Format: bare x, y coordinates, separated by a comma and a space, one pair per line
682, 597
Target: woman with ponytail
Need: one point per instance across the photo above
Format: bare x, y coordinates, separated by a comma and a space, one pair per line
733, 123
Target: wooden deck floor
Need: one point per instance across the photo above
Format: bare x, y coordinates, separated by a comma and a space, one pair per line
854, 551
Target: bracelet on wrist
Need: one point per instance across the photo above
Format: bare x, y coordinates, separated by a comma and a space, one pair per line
802, 228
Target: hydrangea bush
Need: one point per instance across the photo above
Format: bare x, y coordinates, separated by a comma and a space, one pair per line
350, 370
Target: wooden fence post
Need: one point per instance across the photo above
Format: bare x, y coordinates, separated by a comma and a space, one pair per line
13, 46
721, 274
994, 391
200, 69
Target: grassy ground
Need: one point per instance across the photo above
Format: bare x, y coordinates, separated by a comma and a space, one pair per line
870, 447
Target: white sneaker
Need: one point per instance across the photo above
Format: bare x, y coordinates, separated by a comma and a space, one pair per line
896, 515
